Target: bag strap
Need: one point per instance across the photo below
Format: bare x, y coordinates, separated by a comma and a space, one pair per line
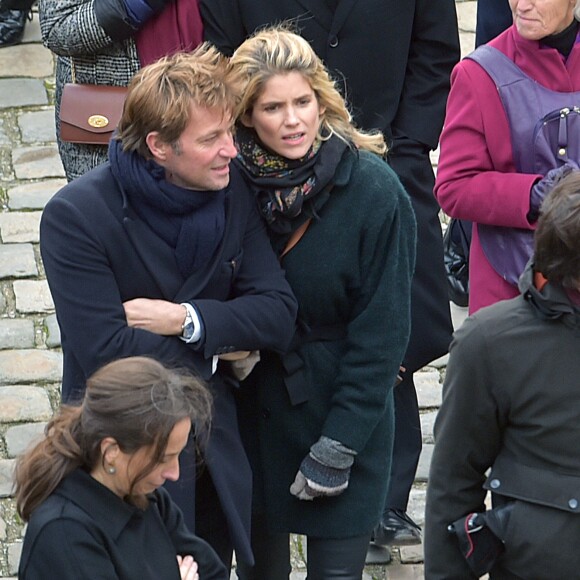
73, 72
295, 237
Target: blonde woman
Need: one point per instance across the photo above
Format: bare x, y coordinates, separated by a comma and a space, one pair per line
316, 420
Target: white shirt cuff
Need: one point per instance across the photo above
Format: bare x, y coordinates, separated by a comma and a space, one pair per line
196, 324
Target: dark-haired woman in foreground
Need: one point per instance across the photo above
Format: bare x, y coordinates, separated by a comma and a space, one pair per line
91, 489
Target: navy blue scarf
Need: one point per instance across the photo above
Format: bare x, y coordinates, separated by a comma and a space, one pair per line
191, 222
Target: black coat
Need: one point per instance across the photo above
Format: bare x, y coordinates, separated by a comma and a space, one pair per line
351, 271
510, 424
98, 254
395, 58
83, 530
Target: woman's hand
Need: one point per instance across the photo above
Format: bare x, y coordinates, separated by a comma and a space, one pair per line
157, 316
187, 568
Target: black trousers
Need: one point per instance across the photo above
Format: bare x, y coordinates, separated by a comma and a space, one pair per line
210, 521
196, 496
407, 444
327, 558
431, 327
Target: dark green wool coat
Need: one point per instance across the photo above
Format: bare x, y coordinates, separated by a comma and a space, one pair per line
352, 268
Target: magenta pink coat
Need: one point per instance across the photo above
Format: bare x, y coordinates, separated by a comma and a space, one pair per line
476, 176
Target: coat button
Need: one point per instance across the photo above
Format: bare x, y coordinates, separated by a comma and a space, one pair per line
494, 483
333, 41
266, 413
573, 503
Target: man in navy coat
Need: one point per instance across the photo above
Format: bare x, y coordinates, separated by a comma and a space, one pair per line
161, 252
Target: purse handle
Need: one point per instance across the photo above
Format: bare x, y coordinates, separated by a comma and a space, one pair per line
295, 237
73, 72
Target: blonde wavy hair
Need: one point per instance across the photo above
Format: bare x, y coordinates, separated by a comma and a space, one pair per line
278, 51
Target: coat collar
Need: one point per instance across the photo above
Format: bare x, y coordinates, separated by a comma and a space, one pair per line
543, 62
551, 302
108, 510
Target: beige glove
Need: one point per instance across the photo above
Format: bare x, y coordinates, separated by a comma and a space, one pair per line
242, 362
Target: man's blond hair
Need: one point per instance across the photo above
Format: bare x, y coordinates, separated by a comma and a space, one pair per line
161, 94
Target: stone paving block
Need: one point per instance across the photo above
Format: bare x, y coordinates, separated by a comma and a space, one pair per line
19, 227
440, 363
2, 529
458, 315
17, 261
416, 505
37, 162
412, 554
424, 462
6, 472
301, 575
33, 195
466, 15
53, 330
427, 423
37, 126
14, 553
32, 30
24, 403
405, 572
28, 366
4, 138
466, 42
16, 333
32, 296
434, 157
21, 92
428, 389
27, 60
20, 437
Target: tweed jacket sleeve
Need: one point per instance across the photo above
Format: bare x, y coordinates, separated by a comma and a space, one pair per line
71, 28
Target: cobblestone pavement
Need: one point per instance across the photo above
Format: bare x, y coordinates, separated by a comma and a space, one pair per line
30, 357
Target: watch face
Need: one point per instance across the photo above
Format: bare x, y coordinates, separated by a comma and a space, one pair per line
188, 330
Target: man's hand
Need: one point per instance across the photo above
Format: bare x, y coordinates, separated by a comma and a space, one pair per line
242, 362
187, 568
157, 316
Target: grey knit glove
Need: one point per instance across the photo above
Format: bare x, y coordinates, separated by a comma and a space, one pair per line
541, 188
324, 471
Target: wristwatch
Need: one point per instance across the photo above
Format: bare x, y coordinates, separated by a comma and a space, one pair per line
187, 328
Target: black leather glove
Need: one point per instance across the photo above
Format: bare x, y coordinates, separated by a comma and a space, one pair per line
325, 471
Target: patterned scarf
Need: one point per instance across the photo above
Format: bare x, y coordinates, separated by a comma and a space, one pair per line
289, 191
191, 222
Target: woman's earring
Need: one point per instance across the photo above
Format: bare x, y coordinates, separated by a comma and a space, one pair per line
112, 470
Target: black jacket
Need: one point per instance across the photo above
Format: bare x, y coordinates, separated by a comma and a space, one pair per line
511, 402
84, 530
